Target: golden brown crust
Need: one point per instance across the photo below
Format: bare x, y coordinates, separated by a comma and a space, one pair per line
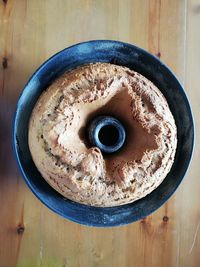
60, 150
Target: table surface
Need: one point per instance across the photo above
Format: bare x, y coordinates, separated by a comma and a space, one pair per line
30, 32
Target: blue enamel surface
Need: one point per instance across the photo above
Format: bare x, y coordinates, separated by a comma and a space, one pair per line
97, 124
121, 54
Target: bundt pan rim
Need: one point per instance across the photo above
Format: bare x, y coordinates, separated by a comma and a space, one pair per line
123, 54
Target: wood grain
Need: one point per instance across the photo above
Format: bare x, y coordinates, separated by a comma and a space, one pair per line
30, 32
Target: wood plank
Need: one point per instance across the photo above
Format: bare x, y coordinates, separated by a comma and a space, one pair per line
189, 209
30, 32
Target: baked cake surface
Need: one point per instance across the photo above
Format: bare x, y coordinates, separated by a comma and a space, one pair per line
60, 149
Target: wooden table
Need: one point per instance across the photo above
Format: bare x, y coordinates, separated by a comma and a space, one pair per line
30, 32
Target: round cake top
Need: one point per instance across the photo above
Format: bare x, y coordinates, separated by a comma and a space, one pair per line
63, 154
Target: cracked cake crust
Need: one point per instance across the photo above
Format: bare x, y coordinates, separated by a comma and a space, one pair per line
81, 173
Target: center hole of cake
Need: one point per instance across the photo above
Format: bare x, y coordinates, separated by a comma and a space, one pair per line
108, 135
